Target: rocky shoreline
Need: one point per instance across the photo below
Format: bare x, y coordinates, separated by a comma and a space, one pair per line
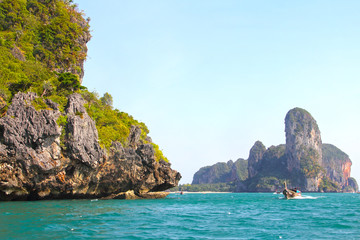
39, 159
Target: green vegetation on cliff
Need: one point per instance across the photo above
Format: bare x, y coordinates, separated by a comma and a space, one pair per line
38, 37
273, 162
222, 172
308, 163
333, 155
300, 117
267, 184
114, 125
42, 50
326, 185
214, 187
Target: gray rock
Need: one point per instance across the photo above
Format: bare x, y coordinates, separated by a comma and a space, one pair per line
134, 136
303, 147
255, 156
33, 166
32, 136
16, 52
82, 136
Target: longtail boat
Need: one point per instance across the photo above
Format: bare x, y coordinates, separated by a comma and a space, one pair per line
291, 193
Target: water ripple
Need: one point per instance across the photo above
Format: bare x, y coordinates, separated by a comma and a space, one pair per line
189, 216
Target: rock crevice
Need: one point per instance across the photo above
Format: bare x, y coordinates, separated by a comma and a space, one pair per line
33, 165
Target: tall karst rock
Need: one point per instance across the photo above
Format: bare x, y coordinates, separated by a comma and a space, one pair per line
255, 156
302, 162
303, 147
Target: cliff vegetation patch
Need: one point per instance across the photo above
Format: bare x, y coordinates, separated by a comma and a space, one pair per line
42, 50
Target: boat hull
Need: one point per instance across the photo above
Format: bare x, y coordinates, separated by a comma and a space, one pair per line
291, 194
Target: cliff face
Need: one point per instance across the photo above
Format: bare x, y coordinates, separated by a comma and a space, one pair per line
270, 171
222, 172
50, 149
303, 147
352, 185
80, 41
337, 164
303, 162
35, 164
255, 156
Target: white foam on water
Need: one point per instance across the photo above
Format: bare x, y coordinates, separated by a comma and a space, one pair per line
305, 197
302, 197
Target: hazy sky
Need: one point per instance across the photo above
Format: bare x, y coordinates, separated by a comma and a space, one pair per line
209, 78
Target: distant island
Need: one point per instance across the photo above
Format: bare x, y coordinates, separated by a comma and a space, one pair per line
304, 162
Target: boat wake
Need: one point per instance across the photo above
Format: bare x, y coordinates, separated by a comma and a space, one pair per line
301, 197
305, 197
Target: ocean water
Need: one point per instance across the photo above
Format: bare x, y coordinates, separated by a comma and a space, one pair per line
188, 216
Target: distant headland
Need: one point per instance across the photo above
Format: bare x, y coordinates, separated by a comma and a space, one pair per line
304, 161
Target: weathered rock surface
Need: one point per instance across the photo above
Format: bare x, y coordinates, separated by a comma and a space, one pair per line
337, 164
352, 185
255, 156
16, 52
31, 137
33, 166
81, 134
303, 147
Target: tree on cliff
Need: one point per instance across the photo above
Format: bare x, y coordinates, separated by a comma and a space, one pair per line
42, 50
107, 100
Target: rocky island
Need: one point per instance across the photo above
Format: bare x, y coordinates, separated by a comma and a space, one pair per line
304, 161
57, 139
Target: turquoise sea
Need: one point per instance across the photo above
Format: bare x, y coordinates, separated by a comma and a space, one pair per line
188, 216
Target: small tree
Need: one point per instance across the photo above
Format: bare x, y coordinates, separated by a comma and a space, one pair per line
107, 100
20, 86
47, 88
69, 82
90, 97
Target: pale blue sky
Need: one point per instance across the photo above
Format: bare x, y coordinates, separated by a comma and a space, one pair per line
209, 78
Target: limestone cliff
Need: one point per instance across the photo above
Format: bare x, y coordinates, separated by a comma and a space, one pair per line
303, 162
255, 156
270, 170
222, 172
337, 164
303, 147
352, 185
41, 160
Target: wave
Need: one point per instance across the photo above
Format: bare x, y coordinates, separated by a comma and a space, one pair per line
304, 197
